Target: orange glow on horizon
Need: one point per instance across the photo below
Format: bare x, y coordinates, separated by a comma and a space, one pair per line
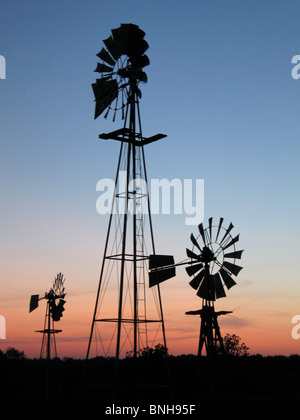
263, 334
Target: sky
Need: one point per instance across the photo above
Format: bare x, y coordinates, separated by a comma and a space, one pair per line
220, 87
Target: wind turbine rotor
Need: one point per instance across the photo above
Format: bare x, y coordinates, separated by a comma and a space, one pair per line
123, 60
209, 265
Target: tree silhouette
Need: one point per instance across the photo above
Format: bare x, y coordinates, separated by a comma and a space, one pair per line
158, 351
233, 345
12, 353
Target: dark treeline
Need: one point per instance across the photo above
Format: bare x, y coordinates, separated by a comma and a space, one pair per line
175, 379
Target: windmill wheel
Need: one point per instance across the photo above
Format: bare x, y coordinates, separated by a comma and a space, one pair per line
123, 59
56, 297
58, 289
213, 258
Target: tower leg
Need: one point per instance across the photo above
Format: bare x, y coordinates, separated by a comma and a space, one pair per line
219, 345
210, 334
202, 336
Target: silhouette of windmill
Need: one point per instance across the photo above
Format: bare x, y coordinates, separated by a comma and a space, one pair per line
212, 265
54, 309
128, 315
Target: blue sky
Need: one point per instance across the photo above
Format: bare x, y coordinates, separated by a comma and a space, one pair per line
220, 87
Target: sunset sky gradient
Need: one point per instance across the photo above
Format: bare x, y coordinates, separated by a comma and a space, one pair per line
220, 87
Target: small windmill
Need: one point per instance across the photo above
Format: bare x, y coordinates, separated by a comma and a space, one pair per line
54, 309
212, 267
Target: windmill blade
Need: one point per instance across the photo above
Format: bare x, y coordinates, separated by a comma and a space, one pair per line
103, 68
140, 75
135, 45
207, 289
133, 74
119, 39
102, 88
233, 241
57, 310
220, 292
211, 287
195, 283
219, 228
34, 302
194, 241
235, 254
133, 31
58, 287
105, 91
192, 269
129, 40
201, 230
140, 62
128, 31
138, 49
202, 290
191, 254
228, 280
233, 268
210, 220
112, 47
230, 227
103, 54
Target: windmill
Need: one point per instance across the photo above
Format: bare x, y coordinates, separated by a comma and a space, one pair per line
54, 309
212, 265
128, 315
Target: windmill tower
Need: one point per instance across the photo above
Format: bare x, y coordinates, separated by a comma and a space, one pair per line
128, 315
54, 309
212, 265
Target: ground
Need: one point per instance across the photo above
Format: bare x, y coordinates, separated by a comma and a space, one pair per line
182, 379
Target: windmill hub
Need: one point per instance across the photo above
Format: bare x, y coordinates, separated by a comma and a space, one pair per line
207, 255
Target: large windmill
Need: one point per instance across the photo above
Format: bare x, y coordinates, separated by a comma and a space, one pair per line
212, 266
128, 315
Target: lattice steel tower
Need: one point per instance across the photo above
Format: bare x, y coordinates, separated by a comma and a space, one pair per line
128, 315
